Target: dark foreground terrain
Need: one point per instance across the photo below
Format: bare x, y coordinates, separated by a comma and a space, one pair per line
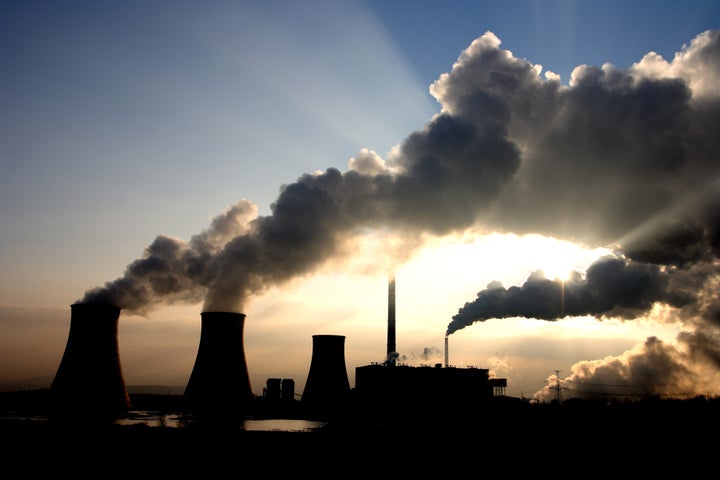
511, 436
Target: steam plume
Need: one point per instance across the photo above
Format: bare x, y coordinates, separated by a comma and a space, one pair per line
626, 159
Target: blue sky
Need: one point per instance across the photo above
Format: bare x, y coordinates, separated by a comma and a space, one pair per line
123, 121
559, 35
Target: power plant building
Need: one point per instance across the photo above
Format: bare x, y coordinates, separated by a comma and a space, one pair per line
425, 386
380, 385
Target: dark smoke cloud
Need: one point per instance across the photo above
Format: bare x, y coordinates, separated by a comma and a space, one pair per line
612, 287
626, 159
622, 159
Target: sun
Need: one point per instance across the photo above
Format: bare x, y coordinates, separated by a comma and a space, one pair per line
558, 259
457, 270
558, 268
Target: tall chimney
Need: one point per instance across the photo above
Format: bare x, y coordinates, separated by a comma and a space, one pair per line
327, 390
391, 347
219, 385
446, 351
89, 383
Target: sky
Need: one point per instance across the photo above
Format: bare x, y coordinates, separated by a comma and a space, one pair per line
540, 178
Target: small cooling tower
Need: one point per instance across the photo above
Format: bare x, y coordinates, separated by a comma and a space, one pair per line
219, 385
89, 383
327, 388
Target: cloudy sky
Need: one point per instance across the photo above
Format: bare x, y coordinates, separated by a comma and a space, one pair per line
539, 177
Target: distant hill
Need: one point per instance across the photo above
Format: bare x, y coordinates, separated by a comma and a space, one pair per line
155, 389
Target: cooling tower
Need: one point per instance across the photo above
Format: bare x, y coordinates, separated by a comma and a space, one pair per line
327, 389
219, 385
89, 383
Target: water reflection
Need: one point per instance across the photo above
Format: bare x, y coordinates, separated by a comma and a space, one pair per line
152, 419
282, 425
173, 420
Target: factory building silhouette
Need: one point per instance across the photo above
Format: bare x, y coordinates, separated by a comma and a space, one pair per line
89, 380
389, 387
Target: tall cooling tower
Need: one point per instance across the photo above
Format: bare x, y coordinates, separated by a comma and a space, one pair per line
89, 383
219, 385
327, 388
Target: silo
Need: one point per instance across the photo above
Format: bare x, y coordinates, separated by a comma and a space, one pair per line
89, 383
327, 390
287, 390
219, 386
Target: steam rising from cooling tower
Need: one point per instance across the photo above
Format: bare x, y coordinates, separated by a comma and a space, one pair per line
219, 385
616, 158
89, 383
480, 165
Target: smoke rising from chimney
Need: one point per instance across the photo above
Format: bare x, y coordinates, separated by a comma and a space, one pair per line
611, 287
618, 158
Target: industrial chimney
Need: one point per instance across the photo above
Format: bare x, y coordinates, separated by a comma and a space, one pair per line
390, 358
447, 353
89, 384
327, 390
219, 385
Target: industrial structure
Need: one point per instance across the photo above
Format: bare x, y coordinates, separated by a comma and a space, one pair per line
391, 356
327, 389
89, 382
389, 385
219, 385
425, 387
279, 389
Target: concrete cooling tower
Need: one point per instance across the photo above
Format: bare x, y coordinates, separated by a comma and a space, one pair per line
219, 385
327, 389
89, 383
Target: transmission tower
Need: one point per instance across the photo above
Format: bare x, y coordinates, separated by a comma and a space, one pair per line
557, 387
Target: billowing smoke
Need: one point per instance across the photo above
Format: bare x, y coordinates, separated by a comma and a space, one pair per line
624, 159
611, 287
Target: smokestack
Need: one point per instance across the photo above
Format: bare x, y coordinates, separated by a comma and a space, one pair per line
219, 385
391, 347
89, 383
327, 389
446, 351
